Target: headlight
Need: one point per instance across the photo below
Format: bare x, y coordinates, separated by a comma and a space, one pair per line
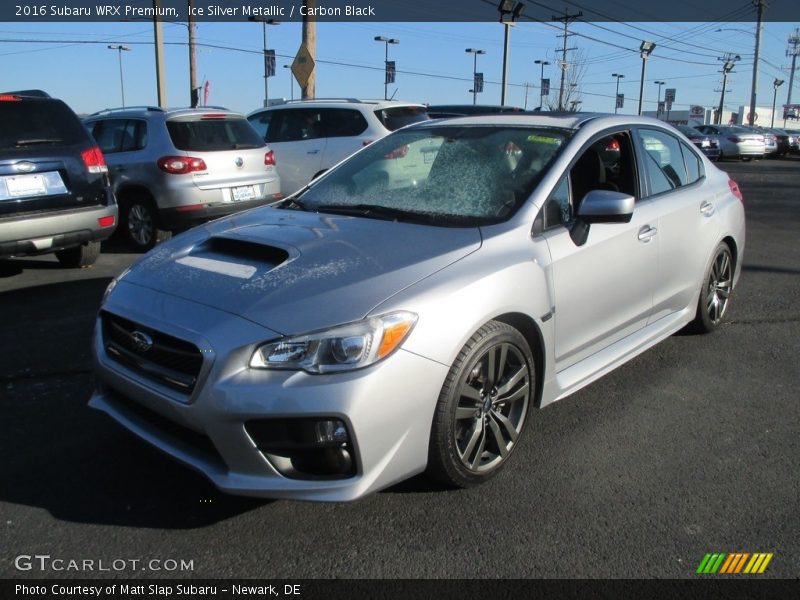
342, 348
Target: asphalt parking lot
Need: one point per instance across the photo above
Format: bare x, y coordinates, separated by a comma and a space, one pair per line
690, 448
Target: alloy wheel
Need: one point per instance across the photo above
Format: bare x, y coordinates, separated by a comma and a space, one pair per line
718, 289
140, 224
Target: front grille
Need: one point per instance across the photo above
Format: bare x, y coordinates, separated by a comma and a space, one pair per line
163, 358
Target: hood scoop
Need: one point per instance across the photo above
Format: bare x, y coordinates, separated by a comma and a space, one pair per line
234, 257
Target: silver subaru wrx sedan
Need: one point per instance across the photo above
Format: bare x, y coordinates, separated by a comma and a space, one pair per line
410, 308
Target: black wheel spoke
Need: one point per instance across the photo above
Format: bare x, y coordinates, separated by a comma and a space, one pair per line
509, 428
512, 381
498, 438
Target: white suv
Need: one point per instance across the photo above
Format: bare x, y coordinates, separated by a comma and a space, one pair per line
310, 136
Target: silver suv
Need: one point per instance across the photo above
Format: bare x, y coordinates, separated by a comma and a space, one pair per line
174, 168
310, 136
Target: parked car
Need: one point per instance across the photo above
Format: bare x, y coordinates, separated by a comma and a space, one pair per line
783, 140
707, 144
735, 141
310, 136
55, 195
770, 140
172, 169
794, 140
352, 335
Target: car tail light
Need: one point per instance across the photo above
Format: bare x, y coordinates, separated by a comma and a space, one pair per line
209, 116
735, 190
9, 98
94, 160
269, 159
397, 153
613, 145
189, 207
735, 139
180, 165
106, 221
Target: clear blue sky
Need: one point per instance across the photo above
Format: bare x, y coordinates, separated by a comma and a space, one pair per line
86, 75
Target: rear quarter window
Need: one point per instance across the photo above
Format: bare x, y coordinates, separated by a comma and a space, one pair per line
212, 135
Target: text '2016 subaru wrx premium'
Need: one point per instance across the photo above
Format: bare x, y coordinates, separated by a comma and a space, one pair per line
372, 327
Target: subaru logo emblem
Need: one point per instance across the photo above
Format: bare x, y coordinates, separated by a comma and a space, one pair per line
24, 167
141, 342
239, 162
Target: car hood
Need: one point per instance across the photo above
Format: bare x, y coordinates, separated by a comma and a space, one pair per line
294, 271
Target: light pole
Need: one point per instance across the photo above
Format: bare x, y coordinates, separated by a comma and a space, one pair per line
775, 85
541, 82
510, 11
616, 98
386, 41
474, 90
658, 106
120, 49
264, 22
645, 50
291, 83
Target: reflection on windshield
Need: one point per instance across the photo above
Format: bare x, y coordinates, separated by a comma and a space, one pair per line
448, 175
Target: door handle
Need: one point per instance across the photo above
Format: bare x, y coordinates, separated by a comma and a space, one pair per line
707, 209
313, 152
646, 233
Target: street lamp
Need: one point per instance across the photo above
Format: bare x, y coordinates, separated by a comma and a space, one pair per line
386, 41
658, 106
120, 49
645, 50
474, 90
775, 85
291, 83
264, 22
541, 82
510, 11
616, 98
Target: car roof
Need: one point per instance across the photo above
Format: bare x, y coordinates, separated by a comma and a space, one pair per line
168, 113
561, 120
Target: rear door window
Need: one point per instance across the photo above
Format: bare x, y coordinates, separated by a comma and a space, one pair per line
343, 122
213, 135
396, 117
292, 125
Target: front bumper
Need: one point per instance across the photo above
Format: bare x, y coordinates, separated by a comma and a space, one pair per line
388, 407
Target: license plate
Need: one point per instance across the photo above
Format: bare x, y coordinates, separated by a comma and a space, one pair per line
25, 185
243, 193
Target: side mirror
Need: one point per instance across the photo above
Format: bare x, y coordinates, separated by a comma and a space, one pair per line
603, 206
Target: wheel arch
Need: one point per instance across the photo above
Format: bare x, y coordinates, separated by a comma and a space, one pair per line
533, 335
734, 250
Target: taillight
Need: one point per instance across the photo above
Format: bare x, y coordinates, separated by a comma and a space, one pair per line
613, 145
735, 190
94, 160
106, 221
180, 165
269, 159
397, 153
9, 98
210, 116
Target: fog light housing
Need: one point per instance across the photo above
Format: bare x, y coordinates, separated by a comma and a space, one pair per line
305, 448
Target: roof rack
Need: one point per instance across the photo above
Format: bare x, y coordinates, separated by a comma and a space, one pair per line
352, 100
122, 108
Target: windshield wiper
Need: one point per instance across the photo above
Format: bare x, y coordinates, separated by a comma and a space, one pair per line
377, 212
33, 142
293, 203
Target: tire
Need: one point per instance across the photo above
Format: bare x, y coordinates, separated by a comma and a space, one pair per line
79, 257
746, 158
478, 423
139, 223
715, 292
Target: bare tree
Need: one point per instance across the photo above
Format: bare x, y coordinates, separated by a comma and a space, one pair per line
575, 69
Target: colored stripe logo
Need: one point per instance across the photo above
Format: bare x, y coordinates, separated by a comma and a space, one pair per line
734, 563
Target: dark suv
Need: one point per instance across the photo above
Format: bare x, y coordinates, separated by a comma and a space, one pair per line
54, 190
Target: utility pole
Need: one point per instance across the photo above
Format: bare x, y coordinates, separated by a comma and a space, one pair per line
566, 20
158, 39
794, 42
194, 96
525, 106
309, 91
760, 6
727, 67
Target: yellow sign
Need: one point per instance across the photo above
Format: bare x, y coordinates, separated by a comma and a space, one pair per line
303, 65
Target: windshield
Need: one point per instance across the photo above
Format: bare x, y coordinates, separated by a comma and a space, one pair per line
445, 175
211, 135
39, 122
